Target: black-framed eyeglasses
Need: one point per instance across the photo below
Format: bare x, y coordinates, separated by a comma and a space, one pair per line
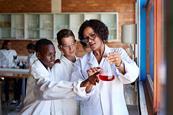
91, 36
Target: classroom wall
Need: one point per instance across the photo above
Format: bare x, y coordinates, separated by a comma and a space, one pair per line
22, 6
124, 8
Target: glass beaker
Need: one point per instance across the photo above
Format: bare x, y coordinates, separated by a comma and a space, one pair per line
107, 74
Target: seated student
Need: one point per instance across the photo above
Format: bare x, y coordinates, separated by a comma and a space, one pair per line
9, 57
43, 92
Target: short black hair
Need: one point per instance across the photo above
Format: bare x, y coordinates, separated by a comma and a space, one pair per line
31, 46
98, 27
40, 43
64, 33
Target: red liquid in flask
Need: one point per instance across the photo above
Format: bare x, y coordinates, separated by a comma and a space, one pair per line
105, 77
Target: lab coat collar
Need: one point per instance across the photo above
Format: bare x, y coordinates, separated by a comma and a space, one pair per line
63, 58
92, 61
41, 68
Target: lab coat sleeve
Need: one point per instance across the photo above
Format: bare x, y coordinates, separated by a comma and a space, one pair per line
61, 90
77, 74
49, 89
131, 69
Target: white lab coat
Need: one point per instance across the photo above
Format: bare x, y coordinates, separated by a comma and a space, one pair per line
62, 71
108, 98
31, 58
43, 92
8, 58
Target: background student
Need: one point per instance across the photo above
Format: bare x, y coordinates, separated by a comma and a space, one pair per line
32, 55
9, 60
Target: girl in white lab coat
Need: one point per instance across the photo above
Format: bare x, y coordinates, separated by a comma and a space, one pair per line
43, 91
108, 97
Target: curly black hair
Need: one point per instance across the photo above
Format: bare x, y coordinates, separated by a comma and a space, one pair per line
42, 42
98, 27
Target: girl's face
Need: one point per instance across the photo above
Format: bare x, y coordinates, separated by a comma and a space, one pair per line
68, 46
47, 55
92, 39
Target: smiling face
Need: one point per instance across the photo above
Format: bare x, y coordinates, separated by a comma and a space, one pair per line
47, 55
68, 46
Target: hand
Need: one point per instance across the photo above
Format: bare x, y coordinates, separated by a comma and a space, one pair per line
92, 79
87, 84
114, 58
92, 73
93, 70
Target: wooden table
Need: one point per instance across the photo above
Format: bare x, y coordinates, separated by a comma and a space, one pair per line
14, 73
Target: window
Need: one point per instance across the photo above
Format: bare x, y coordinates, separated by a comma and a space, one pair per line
46, 25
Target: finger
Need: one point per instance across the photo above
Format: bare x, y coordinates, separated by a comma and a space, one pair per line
92, 81
95, 74
96, 70
97, 80
114, 59
90, 71
93, 78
